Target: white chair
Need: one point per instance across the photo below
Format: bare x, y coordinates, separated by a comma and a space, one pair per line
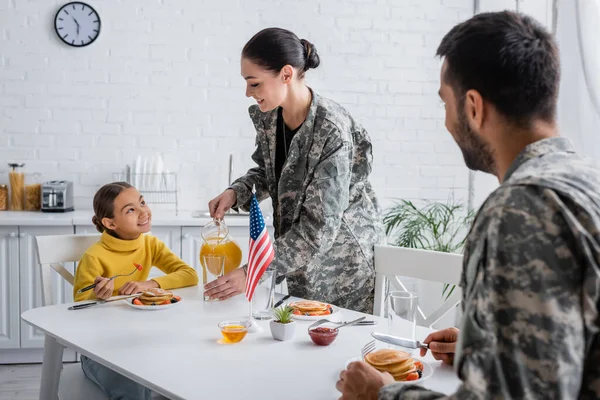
52, 252
392, 262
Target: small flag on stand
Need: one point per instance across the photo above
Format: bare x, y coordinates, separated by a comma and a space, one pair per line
261, 250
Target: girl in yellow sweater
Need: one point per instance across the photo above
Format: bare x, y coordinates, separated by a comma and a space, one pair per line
123, 217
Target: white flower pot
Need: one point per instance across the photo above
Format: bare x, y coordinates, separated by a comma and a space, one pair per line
283, 331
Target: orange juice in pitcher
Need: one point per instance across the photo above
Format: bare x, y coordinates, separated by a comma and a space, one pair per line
218, 242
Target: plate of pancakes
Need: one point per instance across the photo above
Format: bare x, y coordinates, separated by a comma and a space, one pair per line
154, 299
400, 364
312, 310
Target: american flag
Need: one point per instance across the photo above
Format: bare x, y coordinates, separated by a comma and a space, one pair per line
261, 251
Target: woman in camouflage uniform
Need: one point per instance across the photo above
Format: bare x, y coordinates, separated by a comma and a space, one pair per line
313, 160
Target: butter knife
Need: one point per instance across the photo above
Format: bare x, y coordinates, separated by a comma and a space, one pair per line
98, 302
398, 341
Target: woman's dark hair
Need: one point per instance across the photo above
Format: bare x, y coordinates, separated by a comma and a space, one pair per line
104, 203
274, 48
510, 59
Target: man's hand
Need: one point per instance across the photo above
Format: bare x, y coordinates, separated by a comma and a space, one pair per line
442, 344
362, 382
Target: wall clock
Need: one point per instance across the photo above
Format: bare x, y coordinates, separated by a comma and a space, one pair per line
77, 24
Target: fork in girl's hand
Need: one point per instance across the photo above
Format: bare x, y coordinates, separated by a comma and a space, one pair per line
138, 267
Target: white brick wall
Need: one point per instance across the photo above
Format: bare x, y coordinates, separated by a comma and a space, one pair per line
164, 77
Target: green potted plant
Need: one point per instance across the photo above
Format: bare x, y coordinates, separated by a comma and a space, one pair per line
283, 326
434, 226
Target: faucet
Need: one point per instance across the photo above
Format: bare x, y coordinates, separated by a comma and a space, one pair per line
230, 181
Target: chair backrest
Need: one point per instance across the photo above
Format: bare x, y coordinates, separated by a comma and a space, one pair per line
55, 250
392, 262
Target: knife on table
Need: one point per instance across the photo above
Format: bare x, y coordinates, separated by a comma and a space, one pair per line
280, 302
98, 302
398, 341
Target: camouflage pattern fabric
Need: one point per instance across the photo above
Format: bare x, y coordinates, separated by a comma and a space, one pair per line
326, 216
531, 281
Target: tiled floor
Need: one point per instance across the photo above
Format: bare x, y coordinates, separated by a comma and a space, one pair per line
20, 382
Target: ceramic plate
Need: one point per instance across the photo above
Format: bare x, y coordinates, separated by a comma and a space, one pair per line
427, 371
151, 308
316, 317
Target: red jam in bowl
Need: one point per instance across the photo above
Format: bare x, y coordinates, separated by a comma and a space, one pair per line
323, 336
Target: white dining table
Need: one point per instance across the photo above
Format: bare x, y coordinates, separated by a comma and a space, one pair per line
176, 351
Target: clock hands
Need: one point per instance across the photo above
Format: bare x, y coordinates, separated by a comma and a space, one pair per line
77, 23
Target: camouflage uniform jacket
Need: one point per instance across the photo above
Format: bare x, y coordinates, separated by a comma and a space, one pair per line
531, 281
326, 215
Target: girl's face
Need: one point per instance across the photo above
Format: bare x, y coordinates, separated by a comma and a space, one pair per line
268, 88
132, 216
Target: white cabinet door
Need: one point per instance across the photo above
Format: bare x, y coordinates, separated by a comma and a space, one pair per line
191, 242
171, 236
9, 288
31, 283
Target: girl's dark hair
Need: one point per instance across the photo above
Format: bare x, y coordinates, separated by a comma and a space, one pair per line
274, 48
104, 203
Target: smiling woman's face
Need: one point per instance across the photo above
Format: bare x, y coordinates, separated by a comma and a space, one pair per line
266, 87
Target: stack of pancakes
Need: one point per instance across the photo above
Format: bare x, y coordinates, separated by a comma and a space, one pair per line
311, 307
398, 363
155, 296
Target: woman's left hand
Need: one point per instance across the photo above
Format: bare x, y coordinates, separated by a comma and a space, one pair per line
226, 286
133, 287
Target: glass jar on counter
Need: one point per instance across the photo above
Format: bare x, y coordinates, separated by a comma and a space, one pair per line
3, 197
33, 192
16, 178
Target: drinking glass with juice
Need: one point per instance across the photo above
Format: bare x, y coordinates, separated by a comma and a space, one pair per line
217, 241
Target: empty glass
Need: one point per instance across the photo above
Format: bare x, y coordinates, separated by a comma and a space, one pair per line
264, 295
402, 315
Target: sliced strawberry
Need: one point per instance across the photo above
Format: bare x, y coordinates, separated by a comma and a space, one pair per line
412, 376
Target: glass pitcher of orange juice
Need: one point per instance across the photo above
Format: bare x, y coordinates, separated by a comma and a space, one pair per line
217, 241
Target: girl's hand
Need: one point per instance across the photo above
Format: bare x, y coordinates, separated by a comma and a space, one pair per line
133, 287
104, 287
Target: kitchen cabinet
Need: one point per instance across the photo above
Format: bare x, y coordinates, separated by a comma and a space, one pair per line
9, 288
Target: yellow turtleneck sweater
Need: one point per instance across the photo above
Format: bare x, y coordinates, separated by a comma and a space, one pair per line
112, 256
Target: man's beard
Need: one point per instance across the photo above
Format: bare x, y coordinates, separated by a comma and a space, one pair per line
476, 153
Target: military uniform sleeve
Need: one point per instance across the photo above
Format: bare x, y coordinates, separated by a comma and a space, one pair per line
255, 176
522, 334
326, 199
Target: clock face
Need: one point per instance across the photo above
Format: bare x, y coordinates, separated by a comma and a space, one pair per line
77, 24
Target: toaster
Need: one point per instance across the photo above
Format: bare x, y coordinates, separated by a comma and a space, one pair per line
57, 196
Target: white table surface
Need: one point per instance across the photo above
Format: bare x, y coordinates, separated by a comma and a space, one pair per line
176, 352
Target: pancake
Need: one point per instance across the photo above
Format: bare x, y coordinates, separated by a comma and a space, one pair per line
397, 363
155, 295
387, 357
309, 306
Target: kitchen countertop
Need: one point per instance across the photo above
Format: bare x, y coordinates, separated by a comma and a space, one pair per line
37, 218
